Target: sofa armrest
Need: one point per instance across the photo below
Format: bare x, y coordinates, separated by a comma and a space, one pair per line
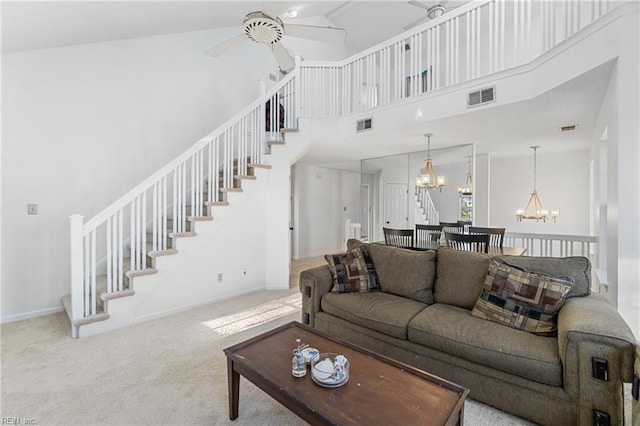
590, 327
314, 283
635, 403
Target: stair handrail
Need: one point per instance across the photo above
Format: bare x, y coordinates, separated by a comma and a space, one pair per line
101, 244
427, 208
148, 182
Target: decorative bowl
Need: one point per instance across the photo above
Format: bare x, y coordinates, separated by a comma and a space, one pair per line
330, 370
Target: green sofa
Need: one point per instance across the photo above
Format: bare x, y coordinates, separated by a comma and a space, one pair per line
422, 317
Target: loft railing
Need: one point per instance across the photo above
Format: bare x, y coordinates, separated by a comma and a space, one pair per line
552, 245
472, 41
117, 244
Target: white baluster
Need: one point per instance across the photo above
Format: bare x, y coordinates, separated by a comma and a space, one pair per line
109, 254
143, 232
93, 289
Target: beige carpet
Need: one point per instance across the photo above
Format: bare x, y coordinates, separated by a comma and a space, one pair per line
167, 371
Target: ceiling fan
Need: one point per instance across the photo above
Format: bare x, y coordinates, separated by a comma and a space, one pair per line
434, 10
265, 28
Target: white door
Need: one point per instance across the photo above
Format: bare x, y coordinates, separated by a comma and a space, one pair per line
365, 217
395, 205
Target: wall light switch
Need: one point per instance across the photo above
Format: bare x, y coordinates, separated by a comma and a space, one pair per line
32, 209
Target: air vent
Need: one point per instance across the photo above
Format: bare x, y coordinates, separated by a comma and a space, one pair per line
364, 124
481, 97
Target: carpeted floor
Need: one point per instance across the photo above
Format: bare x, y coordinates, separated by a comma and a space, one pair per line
169, 371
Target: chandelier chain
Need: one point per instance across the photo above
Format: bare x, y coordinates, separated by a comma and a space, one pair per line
534, 167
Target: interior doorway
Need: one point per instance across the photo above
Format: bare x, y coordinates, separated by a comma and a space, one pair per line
395, 205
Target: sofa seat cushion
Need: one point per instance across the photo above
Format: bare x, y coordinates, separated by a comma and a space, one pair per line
455, 331
383, 312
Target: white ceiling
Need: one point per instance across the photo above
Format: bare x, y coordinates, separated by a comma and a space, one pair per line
30, 25
510, 130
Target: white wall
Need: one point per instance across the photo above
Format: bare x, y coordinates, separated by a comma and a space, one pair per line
615, 156
562, 183
320, 197
82, 125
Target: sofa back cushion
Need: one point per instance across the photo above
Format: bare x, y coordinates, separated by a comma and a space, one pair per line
403, 272
460, 277
577, 267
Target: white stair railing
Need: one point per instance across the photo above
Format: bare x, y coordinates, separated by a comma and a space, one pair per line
552, 245
474, 40
428, 209
118, 243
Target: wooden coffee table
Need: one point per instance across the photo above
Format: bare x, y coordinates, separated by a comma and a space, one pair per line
379, 391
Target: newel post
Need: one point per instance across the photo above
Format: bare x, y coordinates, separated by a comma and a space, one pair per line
77, 273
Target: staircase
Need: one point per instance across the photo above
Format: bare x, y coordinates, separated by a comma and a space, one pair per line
116, 255
112, 252
428, 212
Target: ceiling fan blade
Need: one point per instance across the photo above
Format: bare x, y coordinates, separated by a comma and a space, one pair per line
326, 34
284, 60
272, 8
226, 45
419, 4
416, 23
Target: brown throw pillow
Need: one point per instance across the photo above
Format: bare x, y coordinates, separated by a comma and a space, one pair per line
352, 271
522, 300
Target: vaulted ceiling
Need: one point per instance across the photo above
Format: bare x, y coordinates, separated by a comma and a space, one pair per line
30, 25
43, 24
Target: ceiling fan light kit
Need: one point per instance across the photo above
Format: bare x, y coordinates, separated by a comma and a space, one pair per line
262, 28
436, 11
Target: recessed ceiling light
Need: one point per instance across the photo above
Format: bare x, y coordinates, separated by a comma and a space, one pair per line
569, 128
292, 13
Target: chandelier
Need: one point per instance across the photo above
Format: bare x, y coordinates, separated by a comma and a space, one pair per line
467, 188
538, 212
428, 178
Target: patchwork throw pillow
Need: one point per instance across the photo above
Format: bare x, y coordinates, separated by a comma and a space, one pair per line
352, 271
522, 300
372, 276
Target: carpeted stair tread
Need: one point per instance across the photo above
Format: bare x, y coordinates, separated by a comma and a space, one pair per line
102, 296
260, 166
99, 316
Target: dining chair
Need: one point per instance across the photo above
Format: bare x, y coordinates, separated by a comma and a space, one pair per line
427, 235
465, 225
468, 242
496, 235
452, 227
398, 237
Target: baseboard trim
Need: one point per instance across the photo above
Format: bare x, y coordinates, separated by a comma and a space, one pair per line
184, 308
28, 315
